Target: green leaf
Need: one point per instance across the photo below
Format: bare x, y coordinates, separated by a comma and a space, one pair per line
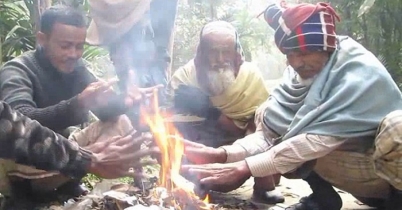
12, 32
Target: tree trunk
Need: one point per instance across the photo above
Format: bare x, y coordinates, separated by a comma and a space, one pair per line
348, 17
365, 33
1, 50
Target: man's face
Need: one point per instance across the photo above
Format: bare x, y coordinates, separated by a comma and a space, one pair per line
63, 46
221, 51
307, 64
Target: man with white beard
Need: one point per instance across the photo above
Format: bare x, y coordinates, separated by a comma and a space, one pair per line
219, 86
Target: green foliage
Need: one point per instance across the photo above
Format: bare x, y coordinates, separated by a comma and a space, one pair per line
90, 180
374, 23
18, 21
253, 33
188, 26
16, 29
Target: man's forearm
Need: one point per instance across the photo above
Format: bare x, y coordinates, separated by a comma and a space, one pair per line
59, 116
27, 142
250, 145
290, 154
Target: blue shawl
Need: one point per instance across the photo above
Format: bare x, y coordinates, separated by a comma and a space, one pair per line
348, 98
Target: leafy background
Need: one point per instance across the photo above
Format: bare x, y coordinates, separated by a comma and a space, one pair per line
374, 23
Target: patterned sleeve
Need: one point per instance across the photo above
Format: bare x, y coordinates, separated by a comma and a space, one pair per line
27, 142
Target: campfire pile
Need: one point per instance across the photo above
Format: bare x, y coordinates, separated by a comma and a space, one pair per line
108, 195
170, 191
174, 191
128, 197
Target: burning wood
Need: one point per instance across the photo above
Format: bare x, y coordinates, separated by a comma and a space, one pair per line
181, 191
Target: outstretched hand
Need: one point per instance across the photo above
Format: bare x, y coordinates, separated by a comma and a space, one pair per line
113, 158
136, 95
96, 94
222, 177
200, 154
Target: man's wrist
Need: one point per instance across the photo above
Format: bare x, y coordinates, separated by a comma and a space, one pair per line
244, 169
92, 164
80, 101
262, 165
234, 153
221, 155
79, 165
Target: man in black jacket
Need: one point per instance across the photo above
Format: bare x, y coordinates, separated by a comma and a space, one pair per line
51, 85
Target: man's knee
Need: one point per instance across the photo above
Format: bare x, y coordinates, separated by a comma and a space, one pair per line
391, 122
123, 124
103, 130
387, 156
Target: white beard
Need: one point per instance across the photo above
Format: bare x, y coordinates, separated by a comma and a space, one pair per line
305, 82
220, 80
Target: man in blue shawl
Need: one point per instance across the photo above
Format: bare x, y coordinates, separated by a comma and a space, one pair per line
334, 120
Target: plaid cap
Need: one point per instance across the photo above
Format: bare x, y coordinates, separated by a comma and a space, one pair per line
303, 27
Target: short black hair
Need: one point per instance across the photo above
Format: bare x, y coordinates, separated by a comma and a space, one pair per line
61, 14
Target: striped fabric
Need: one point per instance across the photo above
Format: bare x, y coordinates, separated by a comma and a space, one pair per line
388, 149
368, 174
304, 27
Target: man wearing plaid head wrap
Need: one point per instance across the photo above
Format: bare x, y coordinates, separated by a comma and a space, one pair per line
334, 120
305, 27
226, 90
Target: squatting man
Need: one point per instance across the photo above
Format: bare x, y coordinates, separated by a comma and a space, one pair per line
334, 121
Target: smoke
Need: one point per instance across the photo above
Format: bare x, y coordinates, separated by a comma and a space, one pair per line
144, 47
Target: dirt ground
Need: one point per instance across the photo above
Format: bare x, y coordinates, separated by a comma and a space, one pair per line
293, 191
235, 200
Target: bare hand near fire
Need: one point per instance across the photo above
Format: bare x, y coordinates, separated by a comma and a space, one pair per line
222, 177
113, 158
135, 94
201, 154
96, 93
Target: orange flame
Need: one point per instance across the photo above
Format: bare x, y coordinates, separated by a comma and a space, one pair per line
168, 139
206, 199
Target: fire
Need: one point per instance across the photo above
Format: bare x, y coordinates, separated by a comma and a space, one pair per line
168, 139
206, 199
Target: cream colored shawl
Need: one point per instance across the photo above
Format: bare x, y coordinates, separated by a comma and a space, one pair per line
240, 100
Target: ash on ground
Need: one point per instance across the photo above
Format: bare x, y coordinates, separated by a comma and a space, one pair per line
111, 195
